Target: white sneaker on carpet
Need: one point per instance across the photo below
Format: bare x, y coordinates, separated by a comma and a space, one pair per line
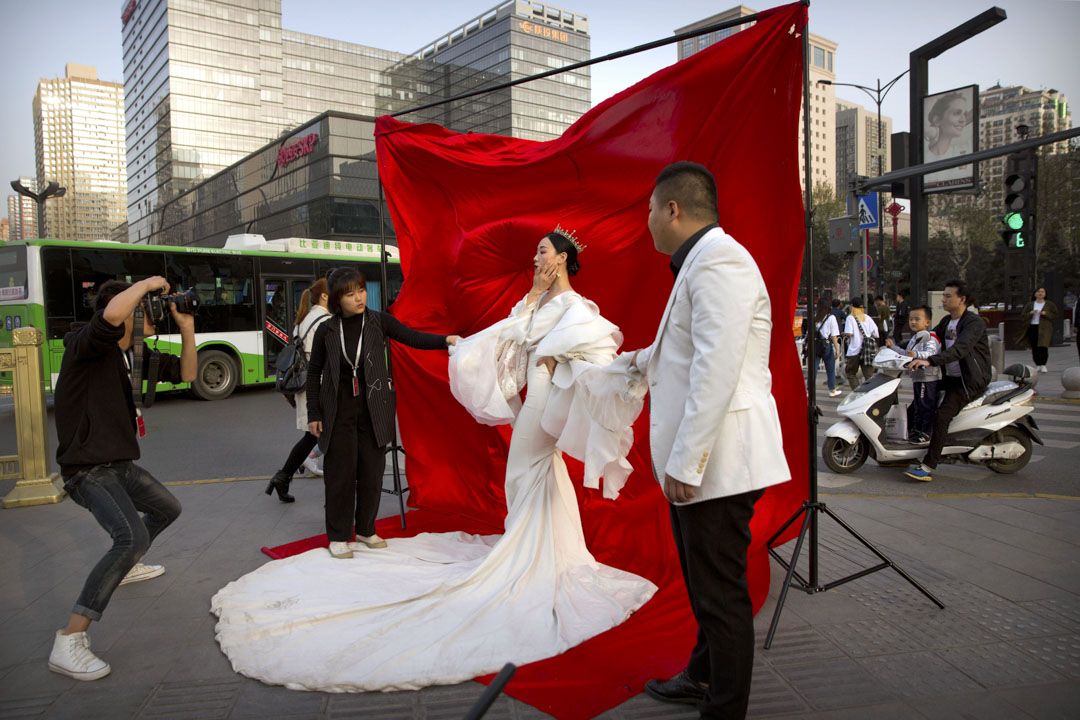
374, 542
312, 466
341, 550
142, 572
71, 656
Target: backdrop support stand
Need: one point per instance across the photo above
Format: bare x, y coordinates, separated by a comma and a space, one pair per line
394, 448
812, 506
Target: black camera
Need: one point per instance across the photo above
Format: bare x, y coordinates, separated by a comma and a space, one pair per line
157, 306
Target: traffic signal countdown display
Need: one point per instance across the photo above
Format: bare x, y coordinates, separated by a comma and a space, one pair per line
1019, 219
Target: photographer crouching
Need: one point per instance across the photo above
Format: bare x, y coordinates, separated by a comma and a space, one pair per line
97, 426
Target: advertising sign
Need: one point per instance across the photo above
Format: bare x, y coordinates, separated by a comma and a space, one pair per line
950, 124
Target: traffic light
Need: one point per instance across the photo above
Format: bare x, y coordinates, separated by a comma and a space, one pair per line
1019, 218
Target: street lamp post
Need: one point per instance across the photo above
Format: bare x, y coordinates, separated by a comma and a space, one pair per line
53, 189
877, 95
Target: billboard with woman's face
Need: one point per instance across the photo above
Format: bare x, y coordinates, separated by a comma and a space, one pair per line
950, 120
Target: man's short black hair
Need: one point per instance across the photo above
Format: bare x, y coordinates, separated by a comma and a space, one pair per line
692, 186
836, 302
108, 290
961, 291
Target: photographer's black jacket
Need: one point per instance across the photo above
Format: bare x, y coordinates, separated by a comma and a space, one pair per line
322, 387
95, 414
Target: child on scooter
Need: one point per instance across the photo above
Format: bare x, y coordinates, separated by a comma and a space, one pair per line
924, 381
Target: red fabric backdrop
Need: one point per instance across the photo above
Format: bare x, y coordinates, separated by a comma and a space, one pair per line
469, 210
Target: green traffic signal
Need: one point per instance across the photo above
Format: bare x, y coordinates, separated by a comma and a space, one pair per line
1013, 221
1019, 240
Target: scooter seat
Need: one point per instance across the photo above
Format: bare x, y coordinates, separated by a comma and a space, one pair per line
993, 391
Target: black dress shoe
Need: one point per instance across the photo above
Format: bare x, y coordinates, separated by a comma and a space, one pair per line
280, 482
679, 689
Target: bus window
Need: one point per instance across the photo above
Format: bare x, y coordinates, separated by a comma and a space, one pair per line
92, 267
13, 273
59, 299
226, 303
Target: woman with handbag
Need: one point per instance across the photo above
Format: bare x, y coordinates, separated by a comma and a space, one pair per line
862, 334
1037, 321
826, 334
311, 313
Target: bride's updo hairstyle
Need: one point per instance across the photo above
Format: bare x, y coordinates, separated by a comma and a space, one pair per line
565, 241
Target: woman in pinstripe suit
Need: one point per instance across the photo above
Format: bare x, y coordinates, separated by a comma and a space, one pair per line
350, 404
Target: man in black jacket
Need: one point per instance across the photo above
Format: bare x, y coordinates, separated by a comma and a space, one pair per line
96, 426
965, 355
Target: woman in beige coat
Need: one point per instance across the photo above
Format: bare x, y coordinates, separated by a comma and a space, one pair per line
1038, 327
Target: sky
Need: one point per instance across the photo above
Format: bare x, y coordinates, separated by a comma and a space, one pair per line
1031, 47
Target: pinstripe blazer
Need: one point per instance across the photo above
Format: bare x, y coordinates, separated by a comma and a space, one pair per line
324, 371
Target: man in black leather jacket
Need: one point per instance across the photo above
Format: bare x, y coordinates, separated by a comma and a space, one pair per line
965, 358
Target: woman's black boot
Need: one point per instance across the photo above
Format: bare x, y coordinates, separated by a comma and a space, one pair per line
280, 482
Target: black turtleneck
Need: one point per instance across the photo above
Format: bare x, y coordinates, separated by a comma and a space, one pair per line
352, 327
679, 257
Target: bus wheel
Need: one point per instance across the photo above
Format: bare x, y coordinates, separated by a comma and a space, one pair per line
217, 376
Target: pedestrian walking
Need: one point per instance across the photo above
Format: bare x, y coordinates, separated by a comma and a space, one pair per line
1037, 320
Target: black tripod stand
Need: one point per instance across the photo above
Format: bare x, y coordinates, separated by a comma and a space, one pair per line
813, 506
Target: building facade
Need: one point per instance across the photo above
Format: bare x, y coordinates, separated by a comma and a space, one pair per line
4, 234
860, 142
22, 213
212, 82
822, 97
79, 143
1004, 109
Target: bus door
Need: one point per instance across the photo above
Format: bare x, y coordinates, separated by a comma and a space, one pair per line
282, 299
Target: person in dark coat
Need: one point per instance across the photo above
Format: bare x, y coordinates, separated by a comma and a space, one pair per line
1037, 321
900, 318
350, 406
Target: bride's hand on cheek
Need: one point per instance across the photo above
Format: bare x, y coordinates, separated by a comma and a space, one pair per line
544, 276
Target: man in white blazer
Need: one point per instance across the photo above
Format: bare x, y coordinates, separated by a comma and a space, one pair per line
714, 432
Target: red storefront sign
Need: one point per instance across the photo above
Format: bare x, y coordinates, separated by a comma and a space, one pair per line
297, 150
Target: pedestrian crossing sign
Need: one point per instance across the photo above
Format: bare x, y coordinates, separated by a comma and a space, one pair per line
868, 211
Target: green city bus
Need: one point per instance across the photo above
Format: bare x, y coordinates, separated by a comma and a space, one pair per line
248, 291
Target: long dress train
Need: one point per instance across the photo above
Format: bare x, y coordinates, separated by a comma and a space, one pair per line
439, 608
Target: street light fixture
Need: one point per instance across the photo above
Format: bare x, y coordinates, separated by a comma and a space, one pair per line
53, 189
877, 94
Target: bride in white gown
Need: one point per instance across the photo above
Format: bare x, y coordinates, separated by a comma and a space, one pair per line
444, 608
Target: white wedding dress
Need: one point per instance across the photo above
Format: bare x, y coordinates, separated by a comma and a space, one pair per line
447, 607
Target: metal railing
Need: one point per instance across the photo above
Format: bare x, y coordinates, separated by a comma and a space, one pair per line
30, 466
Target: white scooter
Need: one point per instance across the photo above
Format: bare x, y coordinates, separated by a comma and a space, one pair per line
995, 430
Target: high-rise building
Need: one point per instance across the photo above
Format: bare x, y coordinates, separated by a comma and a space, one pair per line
210, 83
79, 143
1002, 110
4, 230
857, 143
822, 97
22, 213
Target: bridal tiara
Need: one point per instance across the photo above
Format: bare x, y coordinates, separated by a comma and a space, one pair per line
571, 236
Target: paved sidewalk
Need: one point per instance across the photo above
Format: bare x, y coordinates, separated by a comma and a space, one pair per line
1006, 646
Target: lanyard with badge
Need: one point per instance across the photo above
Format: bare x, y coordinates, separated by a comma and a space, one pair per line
354, 364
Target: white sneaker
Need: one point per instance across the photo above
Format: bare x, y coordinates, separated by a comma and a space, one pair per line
835, 393
341, 550
142, 572
1042, 368
312, 466
71, 656
374, 542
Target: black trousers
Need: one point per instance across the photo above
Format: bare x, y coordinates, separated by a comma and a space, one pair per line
352, 471
1039, 355
712, 538
955, 399
299, 454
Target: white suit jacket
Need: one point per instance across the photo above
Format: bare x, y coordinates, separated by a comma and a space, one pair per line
713, 419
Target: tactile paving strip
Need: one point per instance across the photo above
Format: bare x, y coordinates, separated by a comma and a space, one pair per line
365, 706
1009, 622
181, 700
1061, 653
1064, 611
1000, 665
918, 674
26, 707
833, 684
799, 645
770, 695
940, 629
869, 637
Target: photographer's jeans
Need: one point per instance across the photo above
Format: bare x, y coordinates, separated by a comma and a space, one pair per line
116, 493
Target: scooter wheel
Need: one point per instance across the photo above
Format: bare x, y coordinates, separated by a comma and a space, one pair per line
1014, 434
844, 457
